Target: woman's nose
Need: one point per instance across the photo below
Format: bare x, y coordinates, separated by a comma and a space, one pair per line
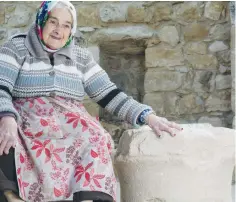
56, 31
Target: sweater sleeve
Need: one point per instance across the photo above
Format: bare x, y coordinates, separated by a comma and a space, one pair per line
99, 87
10, 63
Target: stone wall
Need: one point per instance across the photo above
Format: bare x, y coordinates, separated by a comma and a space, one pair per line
174, 56
232, 45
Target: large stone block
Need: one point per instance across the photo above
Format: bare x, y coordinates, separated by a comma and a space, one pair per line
195, 47
213, 10
195, 32
88, 15
169, 34
223, 82
122, 33
139, 13
202, 61
162, 80
113, 12
187, 168
163, 56
188, 11
219, 101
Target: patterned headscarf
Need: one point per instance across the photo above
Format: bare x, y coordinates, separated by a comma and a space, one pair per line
42, 17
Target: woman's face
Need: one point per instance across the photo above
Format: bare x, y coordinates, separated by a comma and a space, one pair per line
57, 28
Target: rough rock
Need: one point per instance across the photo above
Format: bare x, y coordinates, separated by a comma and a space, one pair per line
113, 12
156, 101
223, 82
3, 33
21, 16
2, 15
191, 103
224, 56
220, 101
188, 11
195, 47
88, 16
204, 81
195, 32
163, 56
152, 42
213, 10
218, 46
219, 32
122, 33
162, 80
202, 61
162, 11
224, 69
139, 13
169, 34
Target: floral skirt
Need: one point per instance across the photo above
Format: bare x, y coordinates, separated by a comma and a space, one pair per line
61, 150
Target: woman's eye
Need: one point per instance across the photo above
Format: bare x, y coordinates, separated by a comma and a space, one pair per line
53, 22
66, 26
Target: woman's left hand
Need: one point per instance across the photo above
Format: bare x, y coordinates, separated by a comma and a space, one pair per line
159, 124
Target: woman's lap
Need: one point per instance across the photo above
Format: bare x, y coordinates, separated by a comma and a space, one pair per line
8, 181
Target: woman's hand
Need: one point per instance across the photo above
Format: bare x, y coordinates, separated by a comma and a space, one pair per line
159, 124
8, 134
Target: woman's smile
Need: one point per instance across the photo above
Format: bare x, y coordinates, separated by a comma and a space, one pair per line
56, 38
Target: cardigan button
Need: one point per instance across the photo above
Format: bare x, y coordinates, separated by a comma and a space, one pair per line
52, 73
52, 94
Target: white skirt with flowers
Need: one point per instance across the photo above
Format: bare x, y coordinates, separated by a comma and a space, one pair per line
61, 150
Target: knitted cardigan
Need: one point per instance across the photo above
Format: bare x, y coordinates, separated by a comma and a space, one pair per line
27, 71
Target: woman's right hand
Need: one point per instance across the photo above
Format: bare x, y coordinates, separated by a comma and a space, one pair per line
8, 134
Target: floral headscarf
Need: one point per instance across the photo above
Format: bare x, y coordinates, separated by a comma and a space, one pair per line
42, 17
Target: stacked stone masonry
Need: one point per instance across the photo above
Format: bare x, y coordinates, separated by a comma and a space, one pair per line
174, 56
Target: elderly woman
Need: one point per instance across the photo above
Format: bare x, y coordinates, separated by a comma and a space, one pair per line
51, 149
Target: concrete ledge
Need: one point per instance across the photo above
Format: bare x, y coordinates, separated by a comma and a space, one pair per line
195, 166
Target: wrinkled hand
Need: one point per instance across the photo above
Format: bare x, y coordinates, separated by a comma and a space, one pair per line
8, 134
159, 124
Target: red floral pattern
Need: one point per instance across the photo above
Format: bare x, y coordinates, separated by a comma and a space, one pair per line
61, 150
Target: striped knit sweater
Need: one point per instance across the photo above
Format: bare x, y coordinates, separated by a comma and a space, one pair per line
27, 71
